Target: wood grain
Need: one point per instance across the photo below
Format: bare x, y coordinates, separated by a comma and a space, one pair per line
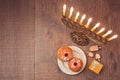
17, 29
31, 31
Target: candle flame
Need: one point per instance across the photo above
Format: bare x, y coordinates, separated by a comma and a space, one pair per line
82, 18
76, 17
100, 31
96, 26
113, 37
109, 32
88, 23
64, 9
71, 11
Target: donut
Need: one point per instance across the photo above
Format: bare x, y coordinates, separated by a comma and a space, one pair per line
64, 53
75, 64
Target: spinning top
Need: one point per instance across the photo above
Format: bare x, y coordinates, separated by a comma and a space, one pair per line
95, 48
97, 56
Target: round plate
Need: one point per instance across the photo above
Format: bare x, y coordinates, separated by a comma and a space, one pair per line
77, 52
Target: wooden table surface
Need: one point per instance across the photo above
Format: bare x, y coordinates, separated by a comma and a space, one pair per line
31, 31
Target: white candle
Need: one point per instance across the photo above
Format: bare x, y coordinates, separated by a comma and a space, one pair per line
76, 17
100, 31
88, 23
96, 26
82, 18
71, 11
113, 37
64, 9
109, 32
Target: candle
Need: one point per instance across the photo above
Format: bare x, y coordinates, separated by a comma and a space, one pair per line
113, 37
71, 11
89, 21
76, 17
96, 26
100, 31
109, 32
64, 9
82, 18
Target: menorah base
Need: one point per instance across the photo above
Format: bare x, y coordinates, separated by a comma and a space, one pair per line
79, 38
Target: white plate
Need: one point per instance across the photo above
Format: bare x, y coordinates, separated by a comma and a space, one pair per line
77, 52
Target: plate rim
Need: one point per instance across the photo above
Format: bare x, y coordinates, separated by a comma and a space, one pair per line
73, 73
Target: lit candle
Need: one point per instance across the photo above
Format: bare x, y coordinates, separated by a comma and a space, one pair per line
89, 21
82, 18
76, 17
113, 37
109, 32
96, 26
100, 31
71, 11
64, 9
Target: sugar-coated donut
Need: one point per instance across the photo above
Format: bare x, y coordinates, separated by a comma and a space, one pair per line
65, 53
75, 64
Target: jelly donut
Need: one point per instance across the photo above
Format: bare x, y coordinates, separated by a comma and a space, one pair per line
65, 53
75, 64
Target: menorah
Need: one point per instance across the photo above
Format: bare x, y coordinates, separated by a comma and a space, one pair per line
81, 33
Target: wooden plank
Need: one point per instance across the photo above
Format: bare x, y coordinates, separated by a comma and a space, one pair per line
17, 31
